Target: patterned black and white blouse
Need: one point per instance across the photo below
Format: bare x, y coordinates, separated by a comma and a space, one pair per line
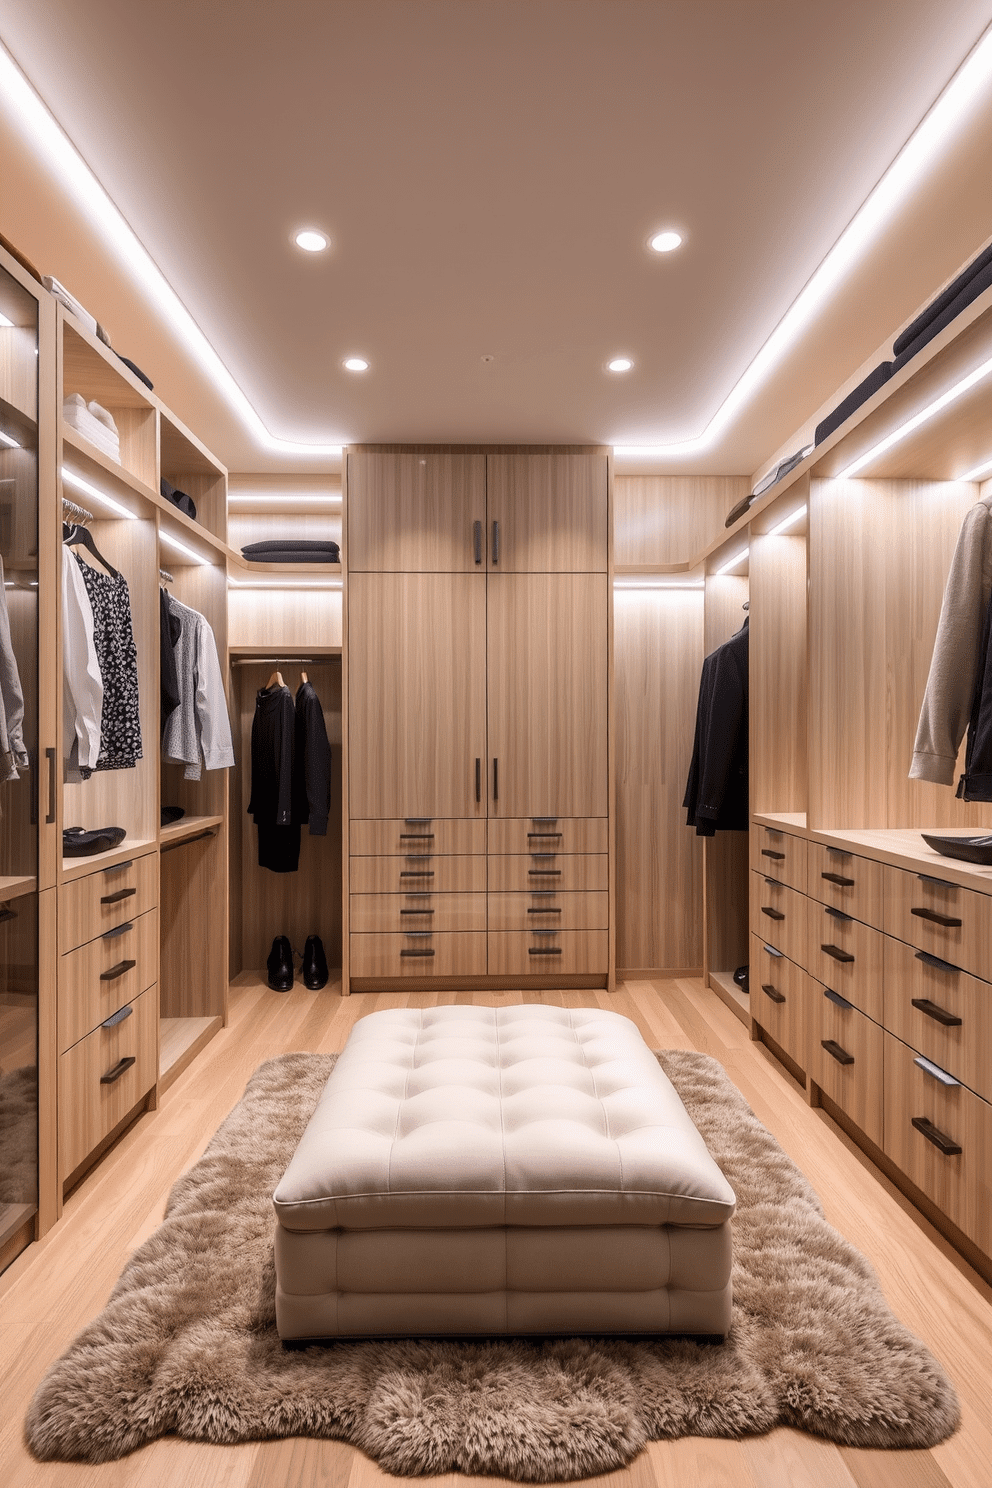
113, 638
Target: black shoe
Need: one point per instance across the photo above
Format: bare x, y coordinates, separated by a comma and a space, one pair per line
280, 965
314, 964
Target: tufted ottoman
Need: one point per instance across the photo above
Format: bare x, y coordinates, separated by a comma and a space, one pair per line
500, 1171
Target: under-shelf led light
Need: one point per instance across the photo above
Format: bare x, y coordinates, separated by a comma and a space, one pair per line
791, 521
180, 547
278, 582
256, 498
732, 562
78, 484
6, 439
649, 583
984, 469
7, 325
924, 416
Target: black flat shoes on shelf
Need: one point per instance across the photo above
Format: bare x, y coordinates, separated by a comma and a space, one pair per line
280, 964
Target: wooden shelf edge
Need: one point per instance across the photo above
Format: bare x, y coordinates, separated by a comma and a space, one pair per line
782, 821
188, 826
723, 984
137, 847
16, 886
181, 1044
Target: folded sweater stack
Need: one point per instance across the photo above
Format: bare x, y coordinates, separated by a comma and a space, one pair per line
94, 423
292, 550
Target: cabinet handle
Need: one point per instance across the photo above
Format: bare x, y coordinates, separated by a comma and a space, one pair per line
116, 898
837, 953
416, 836
936, 962
544, 821
495, 543
773, 952
117, 971
836, 878
933, 1134
418, 934
115, 1018
941, 883
773, 914
937, 1013
118, 930
936, 1073
119, 867
553, 911
544, 950
948, 921
416, 911
417, 821
409, 873
766, 852
50, 757
836, 1052
478, 778
544, 873
544, 834
772, 992
477, 534
416, 953
837, 1000
120, 1068
837, 914
776, 883
495, 778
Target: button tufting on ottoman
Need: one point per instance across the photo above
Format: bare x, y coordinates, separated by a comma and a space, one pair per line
500, 1170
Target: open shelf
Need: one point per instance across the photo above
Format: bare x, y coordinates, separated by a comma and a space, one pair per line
179, 1042
134, 847
181, 451
16, 886
736, 999
188, 826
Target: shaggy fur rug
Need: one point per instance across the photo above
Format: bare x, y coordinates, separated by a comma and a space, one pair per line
187, 1343
19, 1136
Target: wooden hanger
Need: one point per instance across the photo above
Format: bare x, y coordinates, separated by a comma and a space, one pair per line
274, 681
304, 677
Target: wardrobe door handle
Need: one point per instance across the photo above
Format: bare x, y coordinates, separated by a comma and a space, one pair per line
118, 1017
495, 543
544, 950
478, 778
948, 921
835, 878
772, 992
50, 757
495, 778
477, 533
936, 962
416, 953
836, 1052
116, 898
773, 914
120, 1068
837, 953
117, 971
933, 1134
937, 1013
766, 852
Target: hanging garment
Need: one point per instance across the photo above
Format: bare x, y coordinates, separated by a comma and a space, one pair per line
13, 755
976, 782
113, 638
311, 764
82, 679
273, 733
716, 794
170, 627
956, 668
198, 733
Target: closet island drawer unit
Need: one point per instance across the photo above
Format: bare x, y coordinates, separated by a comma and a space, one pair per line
845, 1057
778, 997
97, 902
571, 872
383, 913
778, 915
104, 1076
540, 952
549, 910
100, 977
847, 956
396, 875
845, 882
544, 835
780, 855
419, 954
941, 1012
418, 837
941, 917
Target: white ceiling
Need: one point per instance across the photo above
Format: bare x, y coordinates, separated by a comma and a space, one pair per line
489, 172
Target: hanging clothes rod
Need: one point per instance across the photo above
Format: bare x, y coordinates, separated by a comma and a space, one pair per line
185, 841
81, 515
274, 660
164, 574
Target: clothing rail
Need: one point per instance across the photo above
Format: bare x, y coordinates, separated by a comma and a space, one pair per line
165, 575
274, 660
185, 841
69, 508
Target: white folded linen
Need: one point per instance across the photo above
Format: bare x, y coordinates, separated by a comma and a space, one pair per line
70, 303
80, 417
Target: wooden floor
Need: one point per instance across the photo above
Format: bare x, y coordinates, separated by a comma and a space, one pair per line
59, 1284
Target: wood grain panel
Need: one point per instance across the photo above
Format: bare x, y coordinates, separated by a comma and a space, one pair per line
90, 368
847, 882
393, 913
19, 368
83, 914
85, 997
725, 596
49, 1186
417, 695
548, 953
393, 875
778, 915
519, 873
97, 1108
921, 1001
658, 654
859, 979
551, 508
855, 1086
725, 901
939, 917
777, 710
193, 912
774, 977
562, 911
666, 519
547, 665
415, 512
434, 836
780, 855
584, 834
284, 619
456, 954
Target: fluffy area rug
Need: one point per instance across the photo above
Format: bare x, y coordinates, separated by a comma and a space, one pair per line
187, 1343
19, 1136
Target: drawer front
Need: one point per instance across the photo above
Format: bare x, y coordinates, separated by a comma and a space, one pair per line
572, 834
433, 955
847, 956
959, 1183
940, 1012
779, 855
777, 997
99, 978
778, 915
417, 837
396, 875
551, 953
511, 873
940, 917
92, 1106
549, 911
92, 905
396, 913
846, 882
845, 1058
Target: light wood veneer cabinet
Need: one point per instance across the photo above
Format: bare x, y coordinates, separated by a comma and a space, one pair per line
478, 624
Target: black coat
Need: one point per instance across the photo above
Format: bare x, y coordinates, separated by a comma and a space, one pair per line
716, 798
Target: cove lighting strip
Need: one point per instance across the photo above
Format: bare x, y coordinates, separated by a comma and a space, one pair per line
732, 563
30, 116
287, 583
78, 484
919, 157
790, 522
924, 416
6, 439
257, 498
984, 469
649, 583
5, 324
180, 547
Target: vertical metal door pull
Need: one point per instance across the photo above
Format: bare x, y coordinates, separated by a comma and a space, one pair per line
495, 778
477, 527
495, 543
50, 757
478, 778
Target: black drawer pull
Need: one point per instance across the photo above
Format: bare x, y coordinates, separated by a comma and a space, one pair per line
416, 953
417, 821
495, 542
478, 778
775, 883
119, 867
495, 778
544, 911
116, 898
418, 934
836, 1052
936, 962
766, 852
545, 834
772, 992
544, 873
416, 911
544, 821
837, 1000
120, 1068
773, 952
773, 914
936, 1073
837, 914
941, 883
837, 953
551, 855
835, 878
937, 1013
477, 539
416, 836
544, 950
933, 1134
118, 1017
118, 930
409, 873
117, 971
948, 921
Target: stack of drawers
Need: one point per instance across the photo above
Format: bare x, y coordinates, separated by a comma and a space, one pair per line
891, 1016
778, 938
107, 1002
548, 896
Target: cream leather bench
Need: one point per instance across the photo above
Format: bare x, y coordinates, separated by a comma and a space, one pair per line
520, 1170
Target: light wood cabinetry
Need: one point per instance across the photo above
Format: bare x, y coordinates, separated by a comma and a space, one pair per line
778, 995
845, 1049
103, 1077
417, 511
940, 917
547, 511
779, 855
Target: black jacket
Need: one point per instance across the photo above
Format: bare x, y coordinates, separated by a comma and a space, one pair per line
716, 798
311, 764
272, 733
976, 782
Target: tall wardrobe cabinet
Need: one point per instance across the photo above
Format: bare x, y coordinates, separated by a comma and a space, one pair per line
478, 646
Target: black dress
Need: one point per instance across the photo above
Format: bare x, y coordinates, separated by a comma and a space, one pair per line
271, 804
113, 640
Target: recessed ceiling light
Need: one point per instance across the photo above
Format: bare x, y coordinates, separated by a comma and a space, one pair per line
310, 240
356, 364
665, 242
620, 364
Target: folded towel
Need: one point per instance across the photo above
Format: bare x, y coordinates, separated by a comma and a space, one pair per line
70, 303
99, 412
79, 417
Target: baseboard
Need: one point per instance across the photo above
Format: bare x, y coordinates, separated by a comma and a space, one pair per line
656, 973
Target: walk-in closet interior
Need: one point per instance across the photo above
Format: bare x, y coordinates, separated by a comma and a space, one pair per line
429, 626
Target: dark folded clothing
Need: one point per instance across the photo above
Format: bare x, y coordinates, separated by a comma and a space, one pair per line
937, 308
136, 370
179, 499
976, 285
289, 545
876, 379
302, 551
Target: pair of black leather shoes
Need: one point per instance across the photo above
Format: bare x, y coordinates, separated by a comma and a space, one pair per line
280, 964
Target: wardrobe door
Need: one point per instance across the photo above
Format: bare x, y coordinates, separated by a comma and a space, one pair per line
548, 512
547, 668
417, 695
416, 512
